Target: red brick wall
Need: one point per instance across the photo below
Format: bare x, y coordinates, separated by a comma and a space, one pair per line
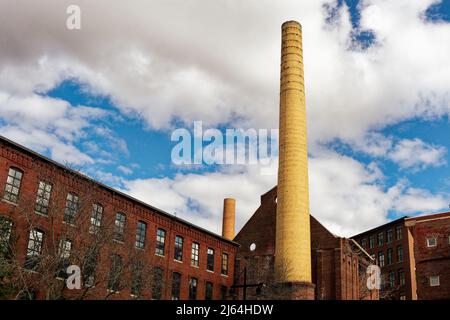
36, 168
432, 261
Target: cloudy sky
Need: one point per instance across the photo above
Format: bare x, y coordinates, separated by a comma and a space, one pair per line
107, 97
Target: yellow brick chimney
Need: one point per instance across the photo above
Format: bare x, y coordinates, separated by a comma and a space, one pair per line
293, 240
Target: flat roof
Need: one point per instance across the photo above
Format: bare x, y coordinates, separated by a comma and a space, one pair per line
83, 176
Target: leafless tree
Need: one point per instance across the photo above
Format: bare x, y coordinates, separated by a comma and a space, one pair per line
77, 232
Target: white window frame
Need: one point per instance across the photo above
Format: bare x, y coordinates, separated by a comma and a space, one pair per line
435, 284
428, 242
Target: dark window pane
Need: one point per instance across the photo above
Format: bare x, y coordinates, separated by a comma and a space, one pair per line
141, 231
157, 286
210, 259
208, 291
160, 241
43, 197
176, 284
178, 253
119, 226
193, 282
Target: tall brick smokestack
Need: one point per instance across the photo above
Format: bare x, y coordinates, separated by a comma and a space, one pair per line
293, 240
229, 218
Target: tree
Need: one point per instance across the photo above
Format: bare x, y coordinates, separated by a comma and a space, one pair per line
65, 228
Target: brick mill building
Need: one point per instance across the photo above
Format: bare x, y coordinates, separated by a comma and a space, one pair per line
431, 235
392, 246
414, 255
338, 264
39, 201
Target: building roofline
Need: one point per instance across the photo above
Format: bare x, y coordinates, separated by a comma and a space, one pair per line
104, 186
432, 216
380, 227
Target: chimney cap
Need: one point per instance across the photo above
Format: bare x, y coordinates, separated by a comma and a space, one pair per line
291, 22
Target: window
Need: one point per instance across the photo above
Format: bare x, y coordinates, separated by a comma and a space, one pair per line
71, 208
5, 236
119, 226
371, 242
399, 254
431, 242
5, 230
12, 187
160, 239
434, 281
136, 279
381, 259
391, 279
140, 234
43, 197
223, 292
210, 259
364, 243
389, 256
96, 217
208, 290
389, 235
34, 249
115, 273
398, 232
178, 253
194, 254
380, 239
64, 249
193, 282
224, 264
176, 283
158, 277
65, 246
401, 278
90, 266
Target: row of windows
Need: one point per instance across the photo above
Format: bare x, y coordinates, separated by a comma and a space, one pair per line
11, 194
389, 256
380, 240
34, 250
195, 250
393, 281
193, 286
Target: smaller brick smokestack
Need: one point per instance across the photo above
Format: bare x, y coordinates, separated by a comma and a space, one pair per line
229, 218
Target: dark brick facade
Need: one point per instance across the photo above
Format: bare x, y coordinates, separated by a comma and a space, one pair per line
336, 262
396, 242
36, 168
432, 254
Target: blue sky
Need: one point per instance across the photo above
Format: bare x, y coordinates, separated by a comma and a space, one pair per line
108, 98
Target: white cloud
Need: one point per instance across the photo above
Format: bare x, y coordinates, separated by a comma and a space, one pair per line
346, 196
125, 170
43, 141
218, 62
417, 154
413, 154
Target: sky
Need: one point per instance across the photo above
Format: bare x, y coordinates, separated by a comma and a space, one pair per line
106, 98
